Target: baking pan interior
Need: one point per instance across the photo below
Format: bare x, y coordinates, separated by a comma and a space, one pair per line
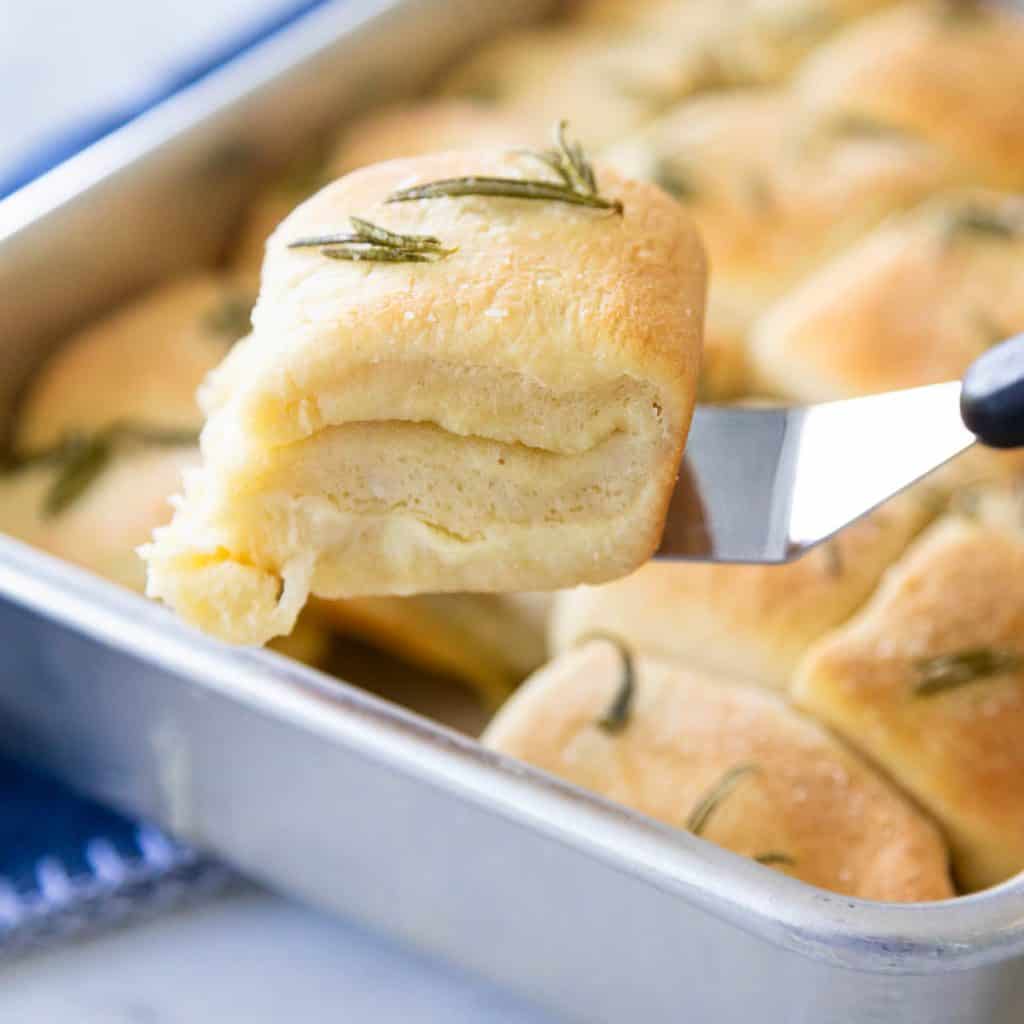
162, 195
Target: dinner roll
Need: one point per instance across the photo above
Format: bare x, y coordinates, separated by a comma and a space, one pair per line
928, 681
141, 364
744, 622
914, 303
772, 196
110, 422
740, 42
100, 528
732, 764
951, 72
489, 641
508, 415
607, 85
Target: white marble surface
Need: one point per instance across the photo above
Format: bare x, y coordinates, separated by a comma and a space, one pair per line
251, 957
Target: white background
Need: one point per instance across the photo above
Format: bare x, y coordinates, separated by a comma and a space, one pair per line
252, 957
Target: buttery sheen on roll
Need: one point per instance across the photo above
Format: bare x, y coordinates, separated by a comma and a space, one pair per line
507, 417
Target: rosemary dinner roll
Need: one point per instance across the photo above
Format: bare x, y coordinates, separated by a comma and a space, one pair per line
110, 422
928, 681
772, 197
731, 764
744, 622
744, 42
140, 365
606, 84
489, 641
914, 303
951, 71
96, 512
460, 392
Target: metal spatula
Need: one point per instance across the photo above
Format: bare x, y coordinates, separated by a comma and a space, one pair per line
766, 485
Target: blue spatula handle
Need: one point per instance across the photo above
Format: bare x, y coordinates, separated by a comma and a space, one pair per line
992, 402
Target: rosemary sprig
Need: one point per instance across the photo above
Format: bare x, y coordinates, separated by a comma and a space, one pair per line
974, 221
576, 183
760, 192
833, 555
676, 180
950, 671
81, 458
858, 126
229, 319
372, 243
961, 12
706, 806
990, 331
617, 716
775, 857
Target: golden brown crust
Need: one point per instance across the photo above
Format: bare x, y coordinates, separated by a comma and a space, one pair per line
914, 303
960, 588
772, 198
952, 72
806, 802
743, 622
559, 344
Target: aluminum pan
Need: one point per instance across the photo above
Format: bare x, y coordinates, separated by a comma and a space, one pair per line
351, 802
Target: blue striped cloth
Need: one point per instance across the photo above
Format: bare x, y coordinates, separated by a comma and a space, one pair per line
68, 865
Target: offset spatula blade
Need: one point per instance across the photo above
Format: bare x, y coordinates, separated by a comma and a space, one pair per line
767, 484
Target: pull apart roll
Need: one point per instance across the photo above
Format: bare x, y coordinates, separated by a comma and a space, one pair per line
734, 765
750, 623
946, 71
505, 413
773, 195
928, 681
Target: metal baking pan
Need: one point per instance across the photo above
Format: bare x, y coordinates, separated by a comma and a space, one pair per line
341, 798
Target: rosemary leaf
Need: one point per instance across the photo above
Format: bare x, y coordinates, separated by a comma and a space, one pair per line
950, 671
373, 254
977, 222
833, 555
677, 181
990, 331
706, 806
371, 243
858, 126
85, 461
775, 857
414, 243
230, 318
760, 193
149, 436
617, 716
961, 12
81, 458
510, 188
576, 185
